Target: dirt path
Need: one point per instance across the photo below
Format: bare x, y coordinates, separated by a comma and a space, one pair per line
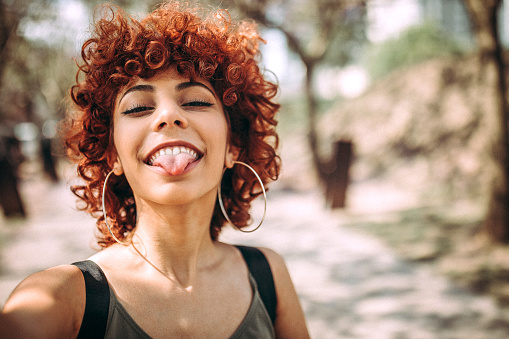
350, 284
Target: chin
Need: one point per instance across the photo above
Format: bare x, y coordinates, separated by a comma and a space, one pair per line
178, 195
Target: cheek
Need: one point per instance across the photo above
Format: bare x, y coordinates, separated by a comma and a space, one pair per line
220, 136
222, 128
124, 139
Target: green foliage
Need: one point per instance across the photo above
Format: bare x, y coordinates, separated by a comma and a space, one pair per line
38, 41
293, 116
412, 46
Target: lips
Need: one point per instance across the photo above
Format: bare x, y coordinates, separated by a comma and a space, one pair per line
174, 159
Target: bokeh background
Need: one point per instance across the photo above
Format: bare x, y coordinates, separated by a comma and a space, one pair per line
392, 209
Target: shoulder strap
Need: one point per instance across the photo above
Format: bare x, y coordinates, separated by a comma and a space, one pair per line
98, 300
260, 269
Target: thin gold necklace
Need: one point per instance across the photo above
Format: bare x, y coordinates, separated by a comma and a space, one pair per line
173, 280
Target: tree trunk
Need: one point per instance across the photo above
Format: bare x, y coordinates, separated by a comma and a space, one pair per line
328, 27
8, 26
484, 20
312, 113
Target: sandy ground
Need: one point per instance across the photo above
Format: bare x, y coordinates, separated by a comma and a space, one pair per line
350, 284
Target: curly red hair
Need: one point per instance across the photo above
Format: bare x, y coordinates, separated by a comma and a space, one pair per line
173, 36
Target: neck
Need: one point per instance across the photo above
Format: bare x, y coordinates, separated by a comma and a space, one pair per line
175, 240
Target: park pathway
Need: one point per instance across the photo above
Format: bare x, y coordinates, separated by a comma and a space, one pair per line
350, 284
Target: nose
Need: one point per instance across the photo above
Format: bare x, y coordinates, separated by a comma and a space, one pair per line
169, 115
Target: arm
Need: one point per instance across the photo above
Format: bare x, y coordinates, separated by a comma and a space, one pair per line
290, 321
47, 304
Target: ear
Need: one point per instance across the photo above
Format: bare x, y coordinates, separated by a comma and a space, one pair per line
232, 154
114, 162
117, 167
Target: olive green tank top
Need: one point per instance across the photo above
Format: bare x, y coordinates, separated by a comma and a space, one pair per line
256, 324
106, 317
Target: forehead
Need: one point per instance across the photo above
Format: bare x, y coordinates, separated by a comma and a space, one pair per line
170, 75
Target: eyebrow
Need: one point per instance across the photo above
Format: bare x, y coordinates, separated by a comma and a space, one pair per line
188, 84
180, 87
142, 88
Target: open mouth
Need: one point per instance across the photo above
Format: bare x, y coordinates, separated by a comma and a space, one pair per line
174, 159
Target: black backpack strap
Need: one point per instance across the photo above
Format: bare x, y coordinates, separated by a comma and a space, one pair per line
98, 300
260, 269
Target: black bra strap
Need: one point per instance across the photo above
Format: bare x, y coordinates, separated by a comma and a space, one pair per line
98, 300
260, 269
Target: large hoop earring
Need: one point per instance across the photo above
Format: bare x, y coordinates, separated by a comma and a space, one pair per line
220, 199
104, 211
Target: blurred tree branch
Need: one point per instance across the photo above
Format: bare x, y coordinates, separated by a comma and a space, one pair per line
8, 32
484, 21
318, 32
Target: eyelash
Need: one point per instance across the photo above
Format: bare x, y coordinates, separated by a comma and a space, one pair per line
136, 109
193, 103
198, 103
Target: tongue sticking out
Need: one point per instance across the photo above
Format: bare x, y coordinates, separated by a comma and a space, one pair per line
174, 164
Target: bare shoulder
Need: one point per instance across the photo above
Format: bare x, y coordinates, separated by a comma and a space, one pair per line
50, 303
290, 321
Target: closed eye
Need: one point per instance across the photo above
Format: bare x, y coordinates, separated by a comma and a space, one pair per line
198, 103
137, 109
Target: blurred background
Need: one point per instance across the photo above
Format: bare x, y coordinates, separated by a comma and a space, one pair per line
394, 140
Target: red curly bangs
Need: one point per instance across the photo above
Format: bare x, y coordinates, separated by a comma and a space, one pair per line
122, 49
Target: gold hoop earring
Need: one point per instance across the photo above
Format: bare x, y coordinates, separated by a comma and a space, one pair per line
104, 211
220, 199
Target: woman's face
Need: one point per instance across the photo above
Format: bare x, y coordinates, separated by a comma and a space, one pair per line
171, 138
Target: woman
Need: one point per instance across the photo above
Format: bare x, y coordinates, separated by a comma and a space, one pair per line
168, 110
